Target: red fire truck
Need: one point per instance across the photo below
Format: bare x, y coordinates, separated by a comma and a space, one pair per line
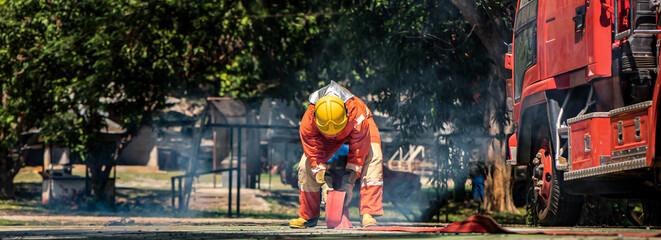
586, 97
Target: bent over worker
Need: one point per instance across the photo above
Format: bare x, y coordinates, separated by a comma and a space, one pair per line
336, 116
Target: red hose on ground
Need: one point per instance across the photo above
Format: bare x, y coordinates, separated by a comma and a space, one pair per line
485, 224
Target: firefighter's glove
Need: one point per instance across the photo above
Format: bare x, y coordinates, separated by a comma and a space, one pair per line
348, 181
326, 182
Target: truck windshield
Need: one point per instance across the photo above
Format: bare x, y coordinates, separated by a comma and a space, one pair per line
525, 43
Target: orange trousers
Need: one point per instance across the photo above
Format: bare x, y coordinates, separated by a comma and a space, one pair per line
371, 185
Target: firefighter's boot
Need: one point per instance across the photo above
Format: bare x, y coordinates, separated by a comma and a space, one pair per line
302, 223
367, 220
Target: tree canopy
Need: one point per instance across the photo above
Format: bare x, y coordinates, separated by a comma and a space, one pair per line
67, 66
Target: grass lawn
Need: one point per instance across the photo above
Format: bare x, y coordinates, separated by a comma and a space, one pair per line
5, 222
18, 205
148, 194
158, 179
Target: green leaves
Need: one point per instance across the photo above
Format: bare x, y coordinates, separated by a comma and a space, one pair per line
67, 64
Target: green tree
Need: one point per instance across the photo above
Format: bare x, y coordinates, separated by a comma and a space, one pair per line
67, 66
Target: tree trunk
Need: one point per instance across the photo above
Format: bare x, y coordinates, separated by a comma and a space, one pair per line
8, 170
103, 156
498, 185
499, 182
459, 192
7, 189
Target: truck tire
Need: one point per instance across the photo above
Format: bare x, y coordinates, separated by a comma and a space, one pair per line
561, 209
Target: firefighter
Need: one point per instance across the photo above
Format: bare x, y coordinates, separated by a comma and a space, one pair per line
336, 116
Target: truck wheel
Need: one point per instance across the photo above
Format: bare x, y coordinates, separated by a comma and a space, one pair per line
553, 206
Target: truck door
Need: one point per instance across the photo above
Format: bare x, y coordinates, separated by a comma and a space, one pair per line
565, 42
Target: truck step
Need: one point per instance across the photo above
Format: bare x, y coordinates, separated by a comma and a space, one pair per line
610, 168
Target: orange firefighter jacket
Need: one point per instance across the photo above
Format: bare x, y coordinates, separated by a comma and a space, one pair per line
319, 148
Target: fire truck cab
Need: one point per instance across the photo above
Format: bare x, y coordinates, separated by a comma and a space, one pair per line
585, 91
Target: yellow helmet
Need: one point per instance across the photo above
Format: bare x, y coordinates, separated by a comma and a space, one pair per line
330, 115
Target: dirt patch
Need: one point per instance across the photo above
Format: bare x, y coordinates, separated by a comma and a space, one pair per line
251, 199
125, 221
134, 169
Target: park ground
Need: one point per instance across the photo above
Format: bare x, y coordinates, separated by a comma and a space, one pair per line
143, 211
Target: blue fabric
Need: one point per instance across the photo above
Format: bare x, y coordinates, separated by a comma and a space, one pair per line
478, 189
343, 151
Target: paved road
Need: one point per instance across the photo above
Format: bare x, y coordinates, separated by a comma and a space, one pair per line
245, 232
76, 227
